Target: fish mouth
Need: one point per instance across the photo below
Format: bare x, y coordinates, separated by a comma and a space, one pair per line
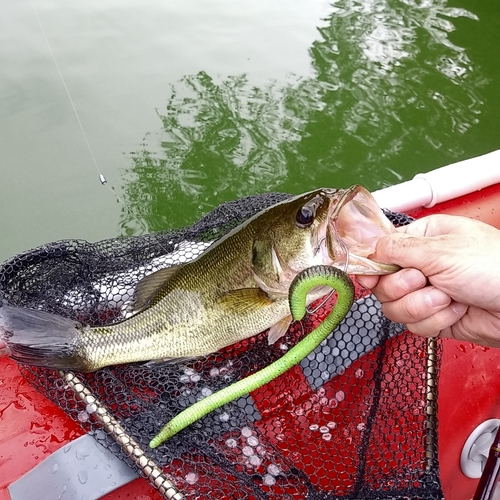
354, 225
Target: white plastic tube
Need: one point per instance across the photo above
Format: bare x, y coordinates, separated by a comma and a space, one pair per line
442, 184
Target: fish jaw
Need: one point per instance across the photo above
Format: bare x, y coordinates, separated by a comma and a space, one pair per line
353, 227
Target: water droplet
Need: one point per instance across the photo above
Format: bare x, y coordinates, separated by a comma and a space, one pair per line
359, 373
314, 427
83, 476
91, 408
65, 487
252, 441
192, 478
80, 454
184, 378
189, 371
361, 426
246, 431
195, 378
214, 372
224, 417
268, 480
67, 448
273, 469
326, 436
206, 391
331, 425
323, 429
283, 347
325, 375
254, 460
231, 443
55, 468
83, 416
340, 396
247, 451
261, 450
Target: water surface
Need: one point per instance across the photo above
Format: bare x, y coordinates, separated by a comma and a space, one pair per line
186, 105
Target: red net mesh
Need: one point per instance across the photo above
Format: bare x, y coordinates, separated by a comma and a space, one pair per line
355, 419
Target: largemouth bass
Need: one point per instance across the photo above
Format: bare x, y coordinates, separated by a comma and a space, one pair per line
237, 288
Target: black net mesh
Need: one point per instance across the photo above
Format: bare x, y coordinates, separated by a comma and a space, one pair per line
356, 418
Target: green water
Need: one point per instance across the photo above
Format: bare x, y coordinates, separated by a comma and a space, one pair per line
189, 104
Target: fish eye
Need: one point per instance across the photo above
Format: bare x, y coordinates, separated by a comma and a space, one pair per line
305, 216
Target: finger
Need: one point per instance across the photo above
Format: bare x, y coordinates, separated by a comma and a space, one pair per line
407, 250
439, 323
435, 225
478, 326
418, 244
368, 281
416, 306
397, 285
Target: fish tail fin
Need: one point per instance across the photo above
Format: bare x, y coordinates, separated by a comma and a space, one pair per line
40, 338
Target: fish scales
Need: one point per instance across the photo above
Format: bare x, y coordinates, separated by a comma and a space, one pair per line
237, 288
176, 323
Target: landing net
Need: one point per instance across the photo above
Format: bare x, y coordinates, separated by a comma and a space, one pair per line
355, 420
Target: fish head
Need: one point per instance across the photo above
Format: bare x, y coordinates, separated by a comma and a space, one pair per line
336, 227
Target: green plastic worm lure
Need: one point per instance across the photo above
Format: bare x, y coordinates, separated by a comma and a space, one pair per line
300, 286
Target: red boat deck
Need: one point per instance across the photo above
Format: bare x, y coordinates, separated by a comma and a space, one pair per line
31, 427
469, 385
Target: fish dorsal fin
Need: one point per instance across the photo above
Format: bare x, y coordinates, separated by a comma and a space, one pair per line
149, 286
245, 300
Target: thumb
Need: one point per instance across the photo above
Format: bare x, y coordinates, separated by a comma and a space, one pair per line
406, 250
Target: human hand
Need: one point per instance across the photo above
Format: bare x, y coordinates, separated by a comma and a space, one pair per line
450, 282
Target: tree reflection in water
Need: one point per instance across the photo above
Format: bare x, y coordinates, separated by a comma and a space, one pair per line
392, 94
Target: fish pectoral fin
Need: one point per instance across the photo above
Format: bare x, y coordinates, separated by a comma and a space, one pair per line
279, 329
149, 286
245, 300
265, 261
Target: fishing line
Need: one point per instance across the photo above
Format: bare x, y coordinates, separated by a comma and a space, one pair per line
150, 470
102, 178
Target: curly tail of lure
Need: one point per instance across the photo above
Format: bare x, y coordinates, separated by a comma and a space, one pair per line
301, 285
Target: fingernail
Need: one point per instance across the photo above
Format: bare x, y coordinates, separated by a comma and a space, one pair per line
459, 308
436, 298
412, 279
